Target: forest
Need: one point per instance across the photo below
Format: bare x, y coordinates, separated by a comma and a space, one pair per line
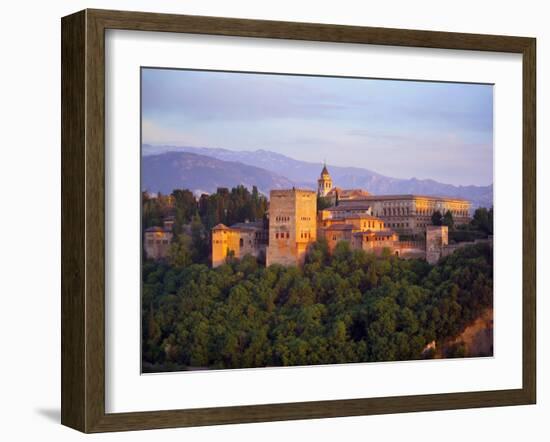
344, 307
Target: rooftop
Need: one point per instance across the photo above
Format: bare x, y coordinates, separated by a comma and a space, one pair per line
220, 226
340, 227
348, 192
362, 216
375, 232
248, 225
409, 197
293, 190
256, 225
348, 207
157, 229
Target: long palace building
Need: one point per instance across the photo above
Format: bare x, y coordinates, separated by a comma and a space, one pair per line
368, 222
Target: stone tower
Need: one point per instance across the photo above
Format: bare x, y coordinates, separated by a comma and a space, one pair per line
292, 225
437, 238
324, 183
224, 240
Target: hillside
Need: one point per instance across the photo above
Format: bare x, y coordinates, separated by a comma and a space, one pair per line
199, 173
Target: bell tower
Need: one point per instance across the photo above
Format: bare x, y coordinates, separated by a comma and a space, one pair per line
324, 183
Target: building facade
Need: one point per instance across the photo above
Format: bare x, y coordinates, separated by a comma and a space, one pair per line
158, 239
157, 242
406, 214
411, 214
239, 240
292, 225
362, 231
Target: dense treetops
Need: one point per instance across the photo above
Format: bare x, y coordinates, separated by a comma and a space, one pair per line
348, 307
225, 206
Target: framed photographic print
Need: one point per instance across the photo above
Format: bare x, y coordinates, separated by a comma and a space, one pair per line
270, 220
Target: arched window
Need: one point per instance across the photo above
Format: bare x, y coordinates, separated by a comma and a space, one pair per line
241, 242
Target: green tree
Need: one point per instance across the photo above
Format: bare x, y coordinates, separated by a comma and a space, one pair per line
483, 220
152, 213
448, 220
185, 207
437, 218
323, 202
181, 251
200, 239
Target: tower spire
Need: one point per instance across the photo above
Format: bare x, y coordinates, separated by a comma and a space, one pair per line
324, 181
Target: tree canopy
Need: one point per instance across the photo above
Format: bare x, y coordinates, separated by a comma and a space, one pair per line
448, 220
437, 218
483, 220
346, 307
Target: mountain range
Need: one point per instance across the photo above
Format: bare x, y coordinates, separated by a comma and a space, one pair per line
203, 169
204, 174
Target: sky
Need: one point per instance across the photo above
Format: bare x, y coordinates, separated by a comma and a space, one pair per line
402, 129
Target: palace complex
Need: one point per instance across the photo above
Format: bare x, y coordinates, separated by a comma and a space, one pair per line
368, 222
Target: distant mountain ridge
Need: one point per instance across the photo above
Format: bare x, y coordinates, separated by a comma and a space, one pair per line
305, 174
202, 174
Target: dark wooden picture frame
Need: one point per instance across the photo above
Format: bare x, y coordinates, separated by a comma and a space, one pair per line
83, 220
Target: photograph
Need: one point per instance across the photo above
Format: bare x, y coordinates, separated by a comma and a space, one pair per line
299, 220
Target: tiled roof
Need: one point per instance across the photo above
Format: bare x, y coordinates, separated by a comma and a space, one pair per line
156, 229
220, 226
348, 207
348, 192
292, 190
375, 232
334, 190
362, 216
340, 227
409, 197
250, 225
